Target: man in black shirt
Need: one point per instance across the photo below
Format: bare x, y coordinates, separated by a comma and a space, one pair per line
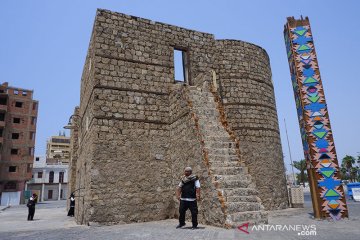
31, 207
188, 192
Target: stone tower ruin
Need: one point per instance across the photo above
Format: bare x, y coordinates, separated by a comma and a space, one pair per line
137, 127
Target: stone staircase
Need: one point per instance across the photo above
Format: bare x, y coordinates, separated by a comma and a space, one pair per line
236, 191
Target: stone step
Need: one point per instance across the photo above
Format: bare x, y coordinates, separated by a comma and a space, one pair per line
198, 92
218, 177
251, 217
230, 176
229, 170
205, 106
216, 136
233, 207
201, 107
219, 137
225, 178
242, 199
207, 100
207, 112
217, 144
209, 123
200, 97
239, 183
210, 126
227, 192
218, 164
201, 92
211, 108
221, 151
223, 157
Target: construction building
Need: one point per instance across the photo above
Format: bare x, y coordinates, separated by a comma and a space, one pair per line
18, 116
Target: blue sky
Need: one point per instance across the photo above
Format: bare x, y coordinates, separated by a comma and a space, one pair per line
43, 46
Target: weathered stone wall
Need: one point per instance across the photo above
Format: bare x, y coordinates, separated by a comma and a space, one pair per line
248, 96
129, 100
74, 145
137, 131
86, 135
130, 176
84, 175
147, 48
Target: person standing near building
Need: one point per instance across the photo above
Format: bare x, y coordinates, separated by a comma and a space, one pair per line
72, 205
188, 192
31, 208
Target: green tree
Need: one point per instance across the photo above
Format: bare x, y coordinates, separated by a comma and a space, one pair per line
301, 166
298, 178
346, 167
354, 174
344, 176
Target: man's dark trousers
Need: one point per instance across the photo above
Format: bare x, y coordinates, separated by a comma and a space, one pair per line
185, 205
31, 213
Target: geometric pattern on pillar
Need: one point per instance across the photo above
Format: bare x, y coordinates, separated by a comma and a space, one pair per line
313, 115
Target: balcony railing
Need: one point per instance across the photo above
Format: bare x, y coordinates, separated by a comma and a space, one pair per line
43, 180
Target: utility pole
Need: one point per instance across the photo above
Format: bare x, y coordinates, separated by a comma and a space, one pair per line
292, 164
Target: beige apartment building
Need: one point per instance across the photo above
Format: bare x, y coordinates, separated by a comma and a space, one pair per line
58, 148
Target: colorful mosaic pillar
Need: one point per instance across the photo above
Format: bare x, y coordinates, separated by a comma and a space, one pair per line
322, 165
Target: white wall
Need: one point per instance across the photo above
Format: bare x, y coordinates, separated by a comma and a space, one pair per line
46, 173
10, 198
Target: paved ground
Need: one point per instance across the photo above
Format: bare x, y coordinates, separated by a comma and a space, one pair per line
51, 222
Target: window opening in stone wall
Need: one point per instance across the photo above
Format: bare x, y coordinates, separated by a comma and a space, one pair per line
2, 117
1, 132
34, 105
180, 65
61, 193
14, 151
51, 177
37, 159
16, 120
18, 104
12, 169
15, 136
40, 174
